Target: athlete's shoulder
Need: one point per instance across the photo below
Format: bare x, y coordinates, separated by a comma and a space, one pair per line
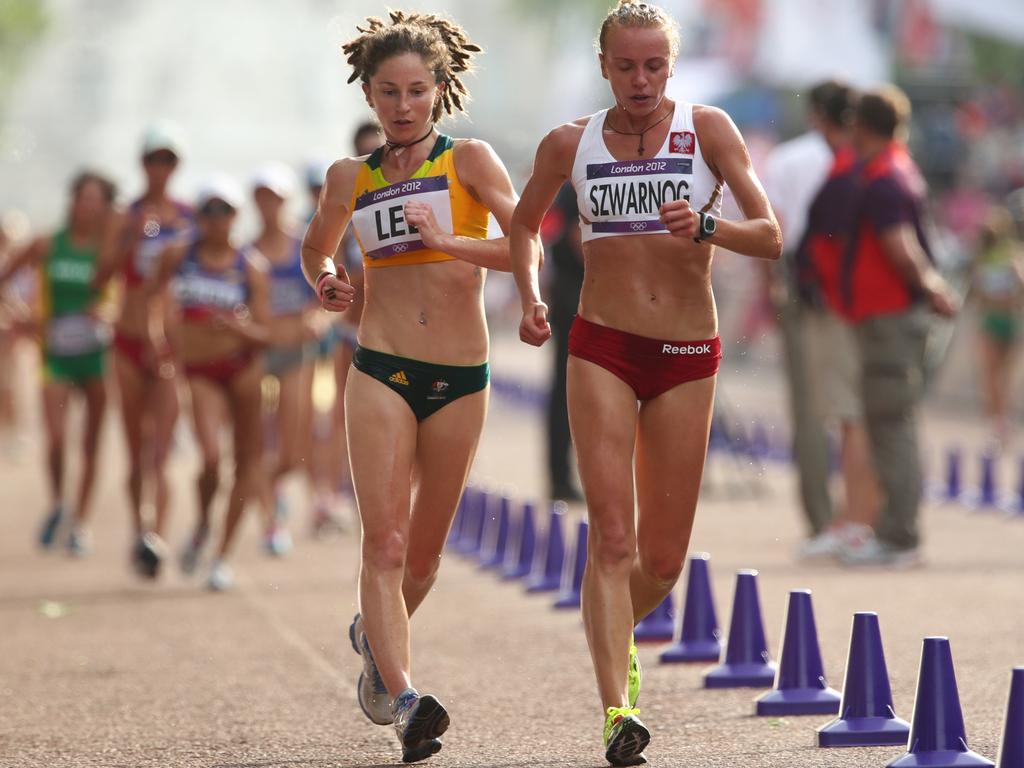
475, 152
708, 118
569, 133
563, 140
254, 259
41, 245
345, 168
341, 177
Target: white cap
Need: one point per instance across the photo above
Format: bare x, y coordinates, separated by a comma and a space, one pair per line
278, 178
163, 136
220, 186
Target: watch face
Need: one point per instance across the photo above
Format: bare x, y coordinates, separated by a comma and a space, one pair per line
709, 225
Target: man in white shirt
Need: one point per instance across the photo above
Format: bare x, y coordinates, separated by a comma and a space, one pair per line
795, 171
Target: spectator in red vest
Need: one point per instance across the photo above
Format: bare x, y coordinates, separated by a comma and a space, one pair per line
890, 291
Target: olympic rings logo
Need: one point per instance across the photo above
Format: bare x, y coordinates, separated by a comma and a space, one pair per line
638, 226
401, 247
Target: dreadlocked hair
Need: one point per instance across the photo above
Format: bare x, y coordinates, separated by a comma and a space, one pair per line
630, 13
443, 44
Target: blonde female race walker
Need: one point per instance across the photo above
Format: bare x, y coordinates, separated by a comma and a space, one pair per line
644, 348
416, 397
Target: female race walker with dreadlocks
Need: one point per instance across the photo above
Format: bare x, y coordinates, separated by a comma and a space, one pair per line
416, 399
644, 348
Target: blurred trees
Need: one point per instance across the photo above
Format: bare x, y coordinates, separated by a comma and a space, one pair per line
21, 23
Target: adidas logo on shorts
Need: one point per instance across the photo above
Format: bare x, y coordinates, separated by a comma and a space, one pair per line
399, 378
687, 349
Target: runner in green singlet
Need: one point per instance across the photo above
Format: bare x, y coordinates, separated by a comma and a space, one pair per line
74, 344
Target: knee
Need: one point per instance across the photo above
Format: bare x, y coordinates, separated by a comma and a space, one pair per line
210, 471
288, 462
612, 547
422, 570
662, 565
384, 551
55, 444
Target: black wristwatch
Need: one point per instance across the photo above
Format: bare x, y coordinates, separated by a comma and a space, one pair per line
706, 228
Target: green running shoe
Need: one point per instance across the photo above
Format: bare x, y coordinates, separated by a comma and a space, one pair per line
625, 737
635, 676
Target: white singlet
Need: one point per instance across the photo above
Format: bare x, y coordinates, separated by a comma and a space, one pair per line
622, 197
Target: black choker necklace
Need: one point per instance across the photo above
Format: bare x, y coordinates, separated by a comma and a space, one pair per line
398, 149
639, 149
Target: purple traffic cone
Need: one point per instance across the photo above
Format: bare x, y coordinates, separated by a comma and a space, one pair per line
657, 626
866, 715
952, 489
760, 444
937, 737
746, 662
800, 687
519, 554
492, 553
572, 571
546, 573
460, 515
699, 635
987, 496
473, 523
1011, 751
1015, 504
989, 493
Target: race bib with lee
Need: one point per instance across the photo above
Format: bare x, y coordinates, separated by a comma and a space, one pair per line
379, 217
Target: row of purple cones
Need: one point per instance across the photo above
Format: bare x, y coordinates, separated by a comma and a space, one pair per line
987, 496
487, 531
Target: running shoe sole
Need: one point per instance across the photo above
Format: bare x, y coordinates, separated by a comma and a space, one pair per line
627, 746
428, 722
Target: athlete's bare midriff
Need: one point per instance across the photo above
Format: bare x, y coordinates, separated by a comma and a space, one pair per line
657, 286
202, 342
142, 316
429, 312
134, 320
652, 285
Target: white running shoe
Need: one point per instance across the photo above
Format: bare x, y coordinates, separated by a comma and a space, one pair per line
872, 552
370, 690
78, 544
189, 558
824, 546
278, 542
221, 577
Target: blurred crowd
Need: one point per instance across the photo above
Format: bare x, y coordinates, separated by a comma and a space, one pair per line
876, 260
858, 295
161, 302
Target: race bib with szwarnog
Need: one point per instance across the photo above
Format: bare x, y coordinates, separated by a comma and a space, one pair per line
379, 218
625, 196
